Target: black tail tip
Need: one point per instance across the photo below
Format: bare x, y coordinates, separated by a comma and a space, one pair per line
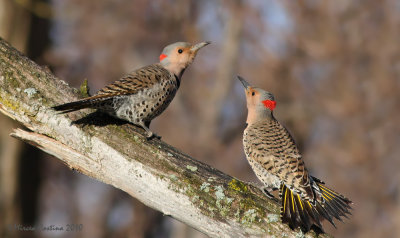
297, 212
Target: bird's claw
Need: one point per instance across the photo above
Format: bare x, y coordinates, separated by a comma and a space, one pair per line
150, 135
267, 191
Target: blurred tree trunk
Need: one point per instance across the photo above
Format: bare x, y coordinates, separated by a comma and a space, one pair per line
9, 162
14, 27
152, 171
210, 126
226, 68
14, 24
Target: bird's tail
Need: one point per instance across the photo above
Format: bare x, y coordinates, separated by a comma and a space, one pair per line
90, 102
299, 212
73, 106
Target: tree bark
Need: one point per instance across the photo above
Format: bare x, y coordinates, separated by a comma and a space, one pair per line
118, 153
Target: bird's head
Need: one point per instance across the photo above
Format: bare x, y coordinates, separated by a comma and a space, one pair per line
260, 103
178, 56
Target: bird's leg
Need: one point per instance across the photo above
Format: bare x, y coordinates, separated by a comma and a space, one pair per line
268, 192
149, 133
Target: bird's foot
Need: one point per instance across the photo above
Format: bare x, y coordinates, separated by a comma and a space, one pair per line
268, 192
150, 135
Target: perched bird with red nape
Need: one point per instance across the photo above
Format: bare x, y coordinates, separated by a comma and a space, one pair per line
145, 93
275, 159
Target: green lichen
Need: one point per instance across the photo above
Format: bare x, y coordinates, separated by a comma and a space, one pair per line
223, 202
249, 217
171, 168
9, 79
272, 218
30, 92
212, 211
84, 88
238, 186
211, 179
217, 201
219, 192
249, 203
205, 187
229, 200
195, 198
256, 209
191, 168
121, 131
199, 193
300, 234
14, 105
237, 214
173, 177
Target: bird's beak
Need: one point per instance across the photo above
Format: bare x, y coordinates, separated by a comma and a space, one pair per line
198, 46
246, 85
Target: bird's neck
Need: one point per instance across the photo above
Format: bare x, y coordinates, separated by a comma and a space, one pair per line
176, 69
254, 116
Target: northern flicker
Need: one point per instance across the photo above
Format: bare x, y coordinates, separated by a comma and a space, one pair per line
145, 93
277, 162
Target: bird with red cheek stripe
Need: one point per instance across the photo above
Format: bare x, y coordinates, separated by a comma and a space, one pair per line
277, 162
145, 93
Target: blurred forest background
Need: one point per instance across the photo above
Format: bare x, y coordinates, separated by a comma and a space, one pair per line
334, 67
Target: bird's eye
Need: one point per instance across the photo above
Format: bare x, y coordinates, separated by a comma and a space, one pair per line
253, 93
180, 51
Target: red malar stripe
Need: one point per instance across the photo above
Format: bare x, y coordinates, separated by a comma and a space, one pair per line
162, 56
269, 104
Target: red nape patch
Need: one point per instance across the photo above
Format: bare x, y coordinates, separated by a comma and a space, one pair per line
162, 56
269, 104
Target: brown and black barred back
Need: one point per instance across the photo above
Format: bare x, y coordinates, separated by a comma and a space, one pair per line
138, 97
270, 145
277, 162
132, 83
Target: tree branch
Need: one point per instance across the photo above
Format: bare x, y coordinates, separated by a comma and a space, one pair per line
118, 153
